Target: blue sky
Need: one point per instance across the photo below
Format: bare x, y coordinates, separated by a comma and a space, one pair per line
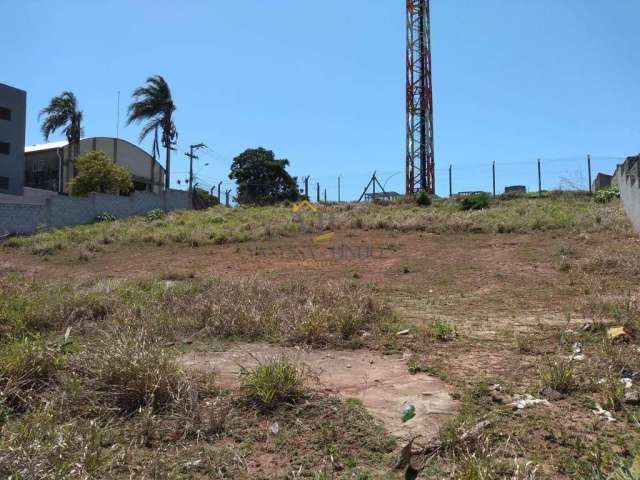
323, 83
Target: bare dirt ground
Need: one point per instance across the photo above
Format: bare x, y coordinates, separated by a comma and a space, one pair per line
491, 287
381, 382
507, 296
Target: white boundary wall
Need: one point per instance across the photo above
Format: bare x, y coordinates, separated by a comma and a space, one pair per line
627, 177
60, 211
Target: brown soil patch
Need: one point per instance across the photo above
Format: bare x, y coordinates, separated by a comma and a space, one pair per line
382, 382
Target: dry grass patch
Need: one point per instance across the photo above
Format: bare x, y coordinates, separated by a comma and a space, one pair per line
130, 369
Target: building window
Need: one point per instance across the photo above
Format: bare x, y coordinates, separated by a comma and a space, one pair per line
5, 114
4, 183
4, 148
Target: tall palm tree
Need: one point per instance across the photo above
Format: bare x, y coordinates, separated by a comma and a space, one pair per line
153, 103
63, 113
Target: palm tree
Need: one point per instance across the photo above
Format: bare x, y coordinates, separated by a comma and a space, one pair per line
63, 113
153, 103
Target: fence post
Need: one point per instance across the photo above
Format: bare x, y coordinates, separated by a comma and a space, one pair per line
47, 212
589, 168
493, 171
317, 192
450, 181
338, 189
539, 179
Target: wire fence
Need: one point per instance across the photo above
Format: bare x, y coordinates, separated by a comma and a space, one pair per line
564, 173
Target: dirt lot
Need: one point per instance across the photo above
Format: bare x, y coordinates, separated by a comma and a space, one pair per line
508, 298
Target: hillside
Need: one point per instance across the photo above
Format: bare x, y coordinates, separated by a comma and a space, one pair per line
121, 340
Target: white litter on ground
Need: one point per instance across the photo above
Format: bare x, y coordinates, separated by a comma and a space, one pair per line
627, 382
524, 401
606, 414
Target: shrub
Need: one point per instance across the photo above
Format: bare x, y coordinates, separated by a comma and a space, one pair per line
605, 195
104, 217
155, 214
423, 199
96, 172
477, 201
273, 382
201, 199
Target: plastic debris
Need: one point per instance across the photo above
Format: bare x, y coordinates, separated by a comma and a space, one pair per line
523, 401
408, 412
275, 428
403, 332
632, 397
627, 382
606, 414
627, 372
616, 332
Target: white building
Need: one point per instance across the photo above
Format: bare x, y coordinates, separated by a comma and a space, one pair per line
50, 166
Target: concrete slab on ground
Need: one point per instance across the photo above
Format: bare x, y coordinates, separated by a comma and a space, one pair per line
382, 382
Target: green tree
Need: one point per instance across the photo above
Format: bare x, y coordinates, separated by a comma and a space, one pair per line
96, 172
262, 179
202, 199
63, 113
153, 103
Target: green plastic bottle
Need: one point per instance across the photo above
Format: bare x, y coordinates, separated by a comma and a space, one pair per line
408, 412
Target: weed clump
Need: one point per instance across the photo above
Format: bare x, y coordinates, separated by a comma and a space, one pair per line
606, 195
130, 369
273, 382
441, 330
477, 201
155, 214
559, 375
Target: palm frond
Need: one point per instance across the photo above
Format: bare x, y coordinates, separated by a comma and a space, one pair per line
62, 113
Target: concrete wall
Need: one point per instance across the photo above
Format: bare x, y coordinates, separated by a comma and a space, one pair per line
13, 103
627, 177
31, 196
61, 211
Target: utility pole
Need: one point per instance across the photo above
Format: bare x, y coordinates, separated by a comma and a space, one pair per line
193, 157
493, 171
374, 186
338, 189
317, 192
539, 179
589, 167
306, 187
450, 181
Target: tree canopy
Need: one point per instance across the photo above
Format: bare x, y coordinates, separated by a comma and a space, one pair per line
62, 113
153, 104
96, 172
262, 179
